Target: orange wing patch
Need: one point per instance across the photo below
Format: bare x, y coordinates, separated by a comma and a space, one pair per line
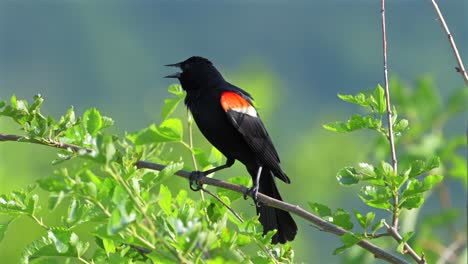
231, 101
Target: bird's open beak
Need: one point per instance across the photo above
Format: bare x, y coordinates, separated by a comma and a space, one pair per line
177, 74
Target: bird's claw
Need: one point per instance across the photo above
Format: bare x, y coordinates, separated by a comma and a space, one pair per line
194, 180
254, 193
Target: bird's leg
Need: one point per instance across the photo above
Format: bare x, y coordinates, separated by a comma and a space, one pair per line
195, 176
254, 190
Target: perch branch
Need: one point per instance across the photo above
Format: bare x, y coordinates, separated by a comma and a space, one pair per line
266, 200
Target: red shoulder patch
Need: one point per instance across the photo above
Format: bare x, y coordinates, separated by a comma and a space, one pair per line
232, 100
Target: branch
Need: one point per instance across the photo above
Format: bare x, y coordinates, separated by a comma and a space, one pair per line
50, 143
460, 68
394, 233
295, 209
266, 200
393, 229
391, 139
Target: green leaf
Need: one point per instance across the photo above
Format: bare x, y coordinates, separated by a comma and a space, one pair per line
165, 199
320, 209
400, 126
232, 196
364, 122
337, 126
109, 245
417, 187
176, 89
107, 122
171, 129
376, 196
31, 204
404, 239
37, 248
364, 221
78, 245
3, 229
412, 202
18, 202
92, 121
359, 99
169, 107
379, 96
60, 239
38, 100
106, 148
367, 171
120, 196
215, 157
378, 225
343, 219
119, 220
145, 136
419, 167
74, 212
348, 176
349, 240
170, 170
55, 199
53, 184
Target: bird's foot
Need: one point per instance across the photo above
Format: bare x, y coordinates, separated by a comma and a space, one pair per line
194, 180
254, 193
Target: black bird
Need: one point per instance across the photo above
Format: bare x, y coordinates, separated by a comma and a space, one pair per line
226, 116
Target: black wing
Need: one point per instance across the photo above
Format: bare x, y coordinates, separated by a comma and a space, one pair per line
244, 117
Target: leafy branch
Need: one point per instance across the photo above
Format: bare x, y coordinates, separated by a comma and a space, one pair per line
266, 200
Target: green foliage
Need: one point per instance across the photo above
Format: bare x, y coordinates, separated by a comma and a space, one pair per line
424, 154
135, 217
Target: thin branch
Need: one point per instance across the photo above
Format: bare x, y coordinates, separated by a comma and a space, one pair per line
51, 143
224, 204
391, 138
394, 233
266, 200
393, 230
460, 68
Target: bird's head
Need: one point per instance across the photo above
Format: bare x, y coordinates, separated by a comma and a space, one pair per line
197, 73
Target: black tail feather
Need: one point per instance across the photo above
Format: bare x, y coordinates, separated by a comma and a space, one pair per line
272, 218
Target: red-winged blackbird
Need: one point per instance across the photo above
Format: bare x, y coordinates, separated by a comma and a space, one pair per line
226, 116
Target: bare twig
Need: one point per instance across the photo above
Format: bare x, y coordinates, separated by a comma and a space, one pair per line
224, 204
391, 138
460, 68
265, 200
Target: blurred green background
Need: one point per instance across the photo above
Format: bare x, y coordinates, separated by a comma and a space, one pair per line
292, 56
